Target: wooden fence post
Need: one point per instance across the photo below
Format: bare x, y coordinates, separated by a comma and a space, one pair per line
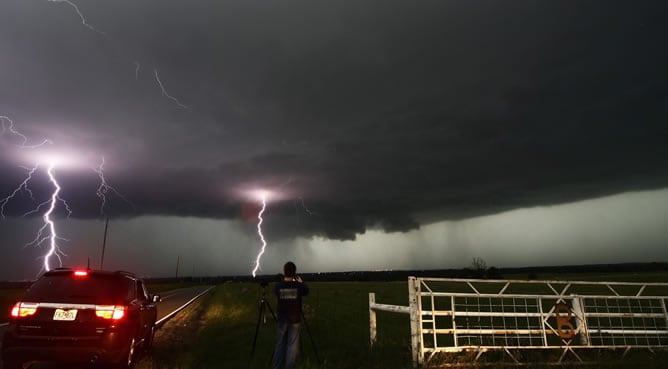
415, 321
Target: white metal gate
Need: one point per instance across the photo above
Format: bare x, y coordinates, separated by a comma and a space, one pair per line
513, 316
455, 315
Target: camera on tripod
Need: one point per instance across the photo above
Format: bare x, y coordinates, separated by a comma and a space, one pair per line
264, 305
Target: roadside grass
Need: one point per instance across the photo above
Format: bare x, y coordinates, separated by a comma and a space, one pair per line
337, 315
158, 287
219, 332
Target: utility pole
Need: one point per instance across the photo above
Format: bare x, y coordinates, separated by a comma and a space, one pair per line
178, 259
104, 243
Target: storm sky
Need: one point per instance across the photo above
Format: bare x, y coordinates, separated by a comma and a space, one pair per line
389, 134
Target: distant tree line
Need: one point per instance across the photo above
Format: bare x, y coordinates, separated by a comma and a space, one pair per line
477, 270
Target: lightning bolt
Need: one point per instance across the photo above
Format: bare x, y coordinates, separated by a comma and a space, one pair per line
105, 188
22, 187
136, 64
8, 125
76, 9
48, 230
306, 209
164, 92
263, 197
137, 67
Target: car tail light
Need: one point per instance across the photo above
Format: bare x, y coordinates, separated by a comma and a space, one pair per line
24, 309
111, 312
81, 273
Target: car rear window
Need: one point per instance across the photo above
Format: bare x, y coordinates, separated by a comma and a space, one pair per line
97, 289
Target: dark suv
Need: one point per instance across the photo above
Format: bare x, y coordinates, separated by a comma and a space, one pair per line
81, 316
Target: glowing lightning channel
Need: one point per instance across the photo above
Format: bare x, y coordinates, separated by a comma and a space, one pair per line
49, 225
8, 125
22, 187
306, 209
164, 92
53, 248
263, 197
76, 9
137, 65
47, 232
105, 188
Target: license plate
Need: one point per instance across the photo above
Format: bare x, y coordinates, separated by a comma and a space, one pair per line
61, 314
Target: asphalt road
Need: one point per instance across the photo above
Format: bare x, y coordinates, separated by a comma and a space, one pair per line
172, 302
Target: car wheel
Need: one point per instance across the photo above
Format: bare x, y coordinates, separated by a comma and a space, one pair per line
12, 364
129, 356
148, 343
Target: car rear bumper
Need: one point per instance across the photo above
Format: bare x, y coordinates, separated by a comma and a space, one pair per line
62, 354
107, 349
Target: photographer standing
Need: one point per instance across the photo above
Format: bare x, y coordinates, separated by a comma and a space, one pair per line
289, 293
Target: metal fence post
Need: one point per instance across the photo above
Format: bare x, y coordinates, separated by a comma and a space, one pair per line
415, 321
580, 320
372, 319
665, 311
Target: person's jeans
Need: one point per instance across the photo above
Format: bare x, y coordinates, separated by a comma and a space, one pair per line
287, 345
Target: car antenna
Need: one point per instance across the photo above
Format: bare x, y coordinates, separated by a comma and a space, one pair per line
104, 243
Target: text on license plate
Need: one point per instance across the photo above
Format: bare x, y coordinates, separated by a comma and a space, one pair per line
61, 314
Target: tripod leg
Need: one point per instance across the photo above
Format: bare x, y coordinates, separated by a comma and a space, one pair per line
270, 310
310, 336
257, 328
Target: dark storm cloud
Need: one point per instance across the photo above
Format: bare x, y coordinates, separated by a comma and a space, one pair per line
369, 114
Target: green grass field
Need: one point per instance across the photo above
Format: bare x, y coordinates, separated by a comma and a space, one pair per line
219, 332
337, 315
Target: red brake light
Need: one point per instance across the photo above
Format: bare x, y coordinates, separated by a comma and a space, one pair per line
111, 312
24, 309
80, 273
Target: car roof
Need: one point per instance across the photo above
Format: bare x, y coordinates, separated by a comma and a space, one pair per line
66, 271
